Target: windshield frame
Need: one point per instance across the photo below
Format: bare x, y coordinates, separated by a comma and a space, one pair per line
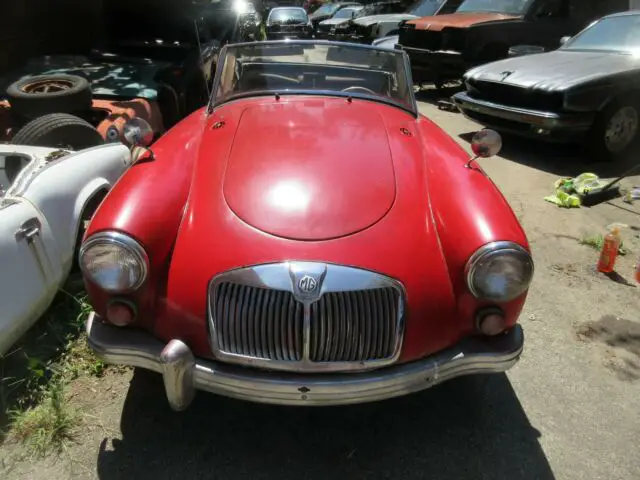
523, 11
565, 47
412, 108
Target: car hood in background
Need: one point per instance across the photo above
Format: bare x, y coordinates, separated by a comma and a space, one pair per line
310, 171
389, 17
335, 21
459, 20
557, 70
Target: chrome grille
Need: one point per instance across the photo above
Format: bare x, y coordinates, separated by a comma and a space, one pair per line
354, 326
258, 322
306, 316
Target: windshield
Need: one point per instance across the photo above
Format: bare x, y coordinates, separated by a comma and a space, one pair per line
614, 34
314, 67
326, 9
424, 8
514, 7
346, 12
288, 15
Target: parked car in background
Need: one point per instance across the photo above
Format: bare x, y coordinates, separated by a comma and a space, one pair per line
327, 28
288, 22
46, 196
154, 71
367, 28
586, 91
442, 48
297, 242
344, 31
328, 10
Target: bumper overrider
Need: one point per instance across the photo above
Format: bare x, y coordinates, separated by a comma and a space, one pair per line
183, 374
551, 126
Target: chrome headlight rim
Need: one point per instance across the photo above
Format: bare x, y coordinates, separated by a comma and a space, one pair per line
122, 240
488, 251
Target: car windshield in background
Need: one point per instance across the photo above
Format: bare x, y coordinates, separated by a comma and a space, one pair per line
514, 7
615, 34
288, 15
322, 68
346, 12
424, 8
326, 9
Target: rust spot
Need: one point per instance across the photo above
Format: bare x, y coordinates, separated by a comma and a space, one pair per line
218, 125
405, 131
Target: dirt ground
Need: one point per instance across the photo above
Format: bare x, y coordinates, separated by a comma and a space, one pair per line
568, 410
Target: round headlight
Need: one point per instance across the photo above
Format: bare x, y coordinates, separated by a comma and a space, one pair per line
114, 261
499, 271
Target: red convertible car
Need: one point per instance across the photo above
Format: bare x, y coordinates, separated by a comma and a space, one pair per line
308, 238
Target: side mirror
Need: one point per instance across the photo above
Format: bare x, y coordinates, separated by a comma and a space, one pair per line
565, 39
485, 143
137, 132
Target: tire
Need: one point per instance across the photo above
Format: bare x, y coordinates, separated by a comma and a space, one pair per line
616, 131
58, 130
28, 97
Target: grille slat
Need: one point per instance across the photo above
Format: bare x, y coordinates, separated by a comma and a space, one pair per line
347, 326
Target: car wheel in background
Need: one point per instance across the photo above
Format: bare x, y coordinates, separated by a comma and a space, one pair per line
615, 133
58, 130
39, 95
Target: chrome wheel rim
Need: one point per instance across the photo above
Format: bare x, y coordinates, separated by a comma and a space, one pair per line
621, 129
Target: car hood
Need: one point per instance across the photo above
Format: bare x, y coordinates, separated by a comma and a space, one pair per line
386, 42
557, 70
389, 17
310, 171
459, 20
334, 21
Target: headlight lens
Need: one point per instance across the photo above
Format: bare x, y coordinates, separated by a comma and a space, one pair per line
499, 271
114, 261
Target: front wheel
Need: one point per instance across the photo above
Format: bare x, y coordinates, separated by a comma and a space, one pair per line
615, 132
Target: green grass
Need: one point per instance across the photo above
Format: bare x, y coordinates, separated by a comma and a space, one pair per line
35, 373
596, 242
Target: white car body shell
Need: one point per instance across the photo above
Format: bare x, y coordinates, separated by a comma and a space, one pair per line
41, 214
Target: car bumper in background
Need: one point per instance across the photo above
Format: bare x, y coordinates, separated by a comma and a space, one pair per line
183, 374
550, 126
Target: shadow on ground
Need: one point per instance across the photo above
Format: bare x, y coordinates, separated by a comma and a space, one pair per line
469, 428
433, 95
559, 159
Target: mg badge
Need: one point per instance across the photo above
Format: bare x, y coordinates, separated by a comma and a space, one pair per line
307, 284
306, 280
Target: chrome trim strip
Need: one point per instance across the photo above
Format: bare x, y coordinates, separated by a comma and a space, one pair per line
488, 250
183, 374
284, 277
113, 237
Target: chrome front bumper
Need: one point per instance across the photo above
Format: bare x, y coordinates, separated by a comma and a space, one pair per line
578, 122
183, 374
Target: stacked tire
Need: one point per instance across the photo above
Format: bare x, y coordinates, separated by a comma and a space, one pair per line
47, 107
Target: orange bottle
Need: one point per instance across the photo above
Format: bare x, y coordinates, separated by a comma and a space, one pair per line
610, 247
637, 272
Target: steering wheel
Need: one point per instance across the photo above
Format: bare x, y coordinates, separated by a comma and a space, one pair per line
357, 88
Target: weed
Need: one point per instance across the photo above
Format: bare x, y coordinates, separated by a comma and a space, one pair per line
47, 426
596, 242
34, 375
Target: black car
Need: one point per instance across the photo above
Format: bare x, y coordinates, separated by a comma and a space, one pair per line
585, 91
288, 22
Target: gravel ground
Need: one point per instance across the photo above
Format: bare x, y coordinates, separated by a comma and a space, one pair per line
568, 410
